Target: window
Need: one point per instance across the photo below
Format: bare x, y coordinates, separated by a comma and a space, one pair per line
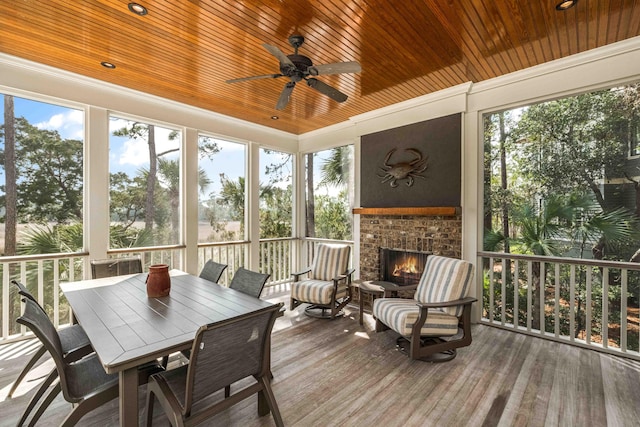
276, 194
558, 180
221, 198
41, 173
329, 193
144, 169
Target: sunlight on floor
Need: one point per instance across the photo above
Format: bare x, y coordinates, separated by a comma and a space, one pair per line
33, 379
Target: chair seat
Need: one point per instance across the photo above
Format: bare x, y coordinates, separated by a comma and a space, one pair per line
86, 377
401, 314
316, 291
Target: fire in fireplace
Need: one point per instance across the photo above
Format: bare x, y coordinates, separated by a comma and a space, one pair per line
402, 267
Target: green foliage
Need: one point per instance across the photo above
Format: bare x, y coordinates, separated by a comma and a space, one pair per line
276, 213
332, 217
49, 168
567, 144
335, 170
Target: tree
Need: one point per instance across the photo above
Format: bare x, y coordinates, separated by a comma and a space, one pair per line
127, 197
144, 132
275, 212
569, 143
335, 170
50, 184
11, 193
310, 213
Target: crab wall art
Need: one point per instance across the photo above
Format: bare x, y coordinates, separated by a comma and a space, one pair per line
403, 170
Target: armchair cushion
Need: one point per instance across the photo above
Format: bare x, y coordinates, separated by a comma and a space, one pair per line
401, 314
330, 261
445, 279
317, 291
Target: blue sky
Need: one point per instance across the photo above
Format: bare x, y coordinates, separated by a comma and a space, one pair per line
130, 155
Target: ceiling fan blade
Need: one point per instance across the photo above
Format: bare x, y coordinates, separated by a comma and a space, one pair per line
285, 95
282, 58
324, 88
264, 76
335, 68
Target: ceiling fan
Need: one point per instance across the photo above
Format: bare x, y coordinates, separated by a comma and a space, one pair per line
299, 67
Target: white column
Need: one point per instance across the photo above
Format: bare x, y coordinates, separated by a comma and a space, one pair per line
96, 180
472, 200
251, 206
189, 200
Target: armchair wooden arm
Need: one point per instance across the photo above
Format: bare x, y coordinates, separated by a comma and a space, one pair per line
296, 276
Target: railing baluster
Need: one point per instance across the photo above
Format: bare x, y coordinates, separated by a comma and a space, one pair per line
529, 294
516, 293
588, 305
572, 302
605, 307
491, 268
503, 291
5, 300
556, 304
543, 280
40, 282
56, 292
623, 310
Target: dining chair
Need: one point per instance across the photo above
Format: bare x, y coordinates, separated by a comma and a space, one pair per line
74, 345
222, 353
245, 281
212, 271
83, 382
327, 285
115, 267
248, 282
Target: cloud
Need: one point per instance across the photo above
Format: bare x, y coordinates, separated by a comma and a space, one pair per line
135, 152
70, 124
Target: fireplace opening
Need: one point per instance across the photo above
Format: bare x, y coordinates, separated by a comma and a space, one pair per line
402, 267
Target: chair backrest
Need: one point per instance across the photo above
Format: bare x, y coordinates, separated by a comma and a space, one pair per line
115, 267
22, 290
248, 282
445, 279
212, 271
330, 260
227, 351
37, 320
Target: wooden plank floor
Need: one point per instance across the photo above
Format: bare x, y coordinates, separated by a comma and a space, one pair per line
338, 373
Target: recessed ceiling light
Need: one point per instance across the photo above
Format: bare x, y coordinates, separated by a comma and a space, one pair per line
274, 117
138, 9
566, 4
108, 65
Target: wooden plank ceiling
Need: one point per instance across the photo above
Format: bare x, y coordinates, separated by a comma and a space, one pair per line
186, 50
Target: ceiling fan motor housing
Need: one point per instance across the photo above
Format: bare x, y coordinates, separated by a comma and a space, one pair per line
302, 67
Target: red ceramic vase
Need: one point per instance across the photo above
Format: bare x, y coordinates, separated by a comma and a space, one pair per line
158, 281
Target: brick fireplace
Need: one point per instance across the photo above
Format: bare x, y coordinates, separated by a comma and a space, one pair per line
423, 230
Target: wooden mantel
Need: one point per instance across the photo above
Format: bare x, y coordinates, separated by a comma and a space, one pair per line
417, 211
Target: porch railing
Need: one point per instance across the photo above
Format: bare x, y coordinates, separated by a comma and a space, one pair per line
587, 303
42, 274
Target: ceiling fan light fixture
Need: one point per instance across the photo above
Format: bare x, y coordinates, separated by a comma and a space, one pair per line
137, 8
109, 65
566, 4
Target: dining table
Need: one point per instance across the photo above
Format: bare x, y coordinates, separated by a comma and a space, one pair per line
128, 329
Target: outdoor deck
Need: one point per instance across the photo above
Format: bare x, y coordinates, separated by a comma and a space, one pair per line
329, 373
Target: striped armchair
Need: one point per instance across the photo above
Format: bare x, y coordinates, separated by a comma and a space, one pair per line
327, 287
438, 319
